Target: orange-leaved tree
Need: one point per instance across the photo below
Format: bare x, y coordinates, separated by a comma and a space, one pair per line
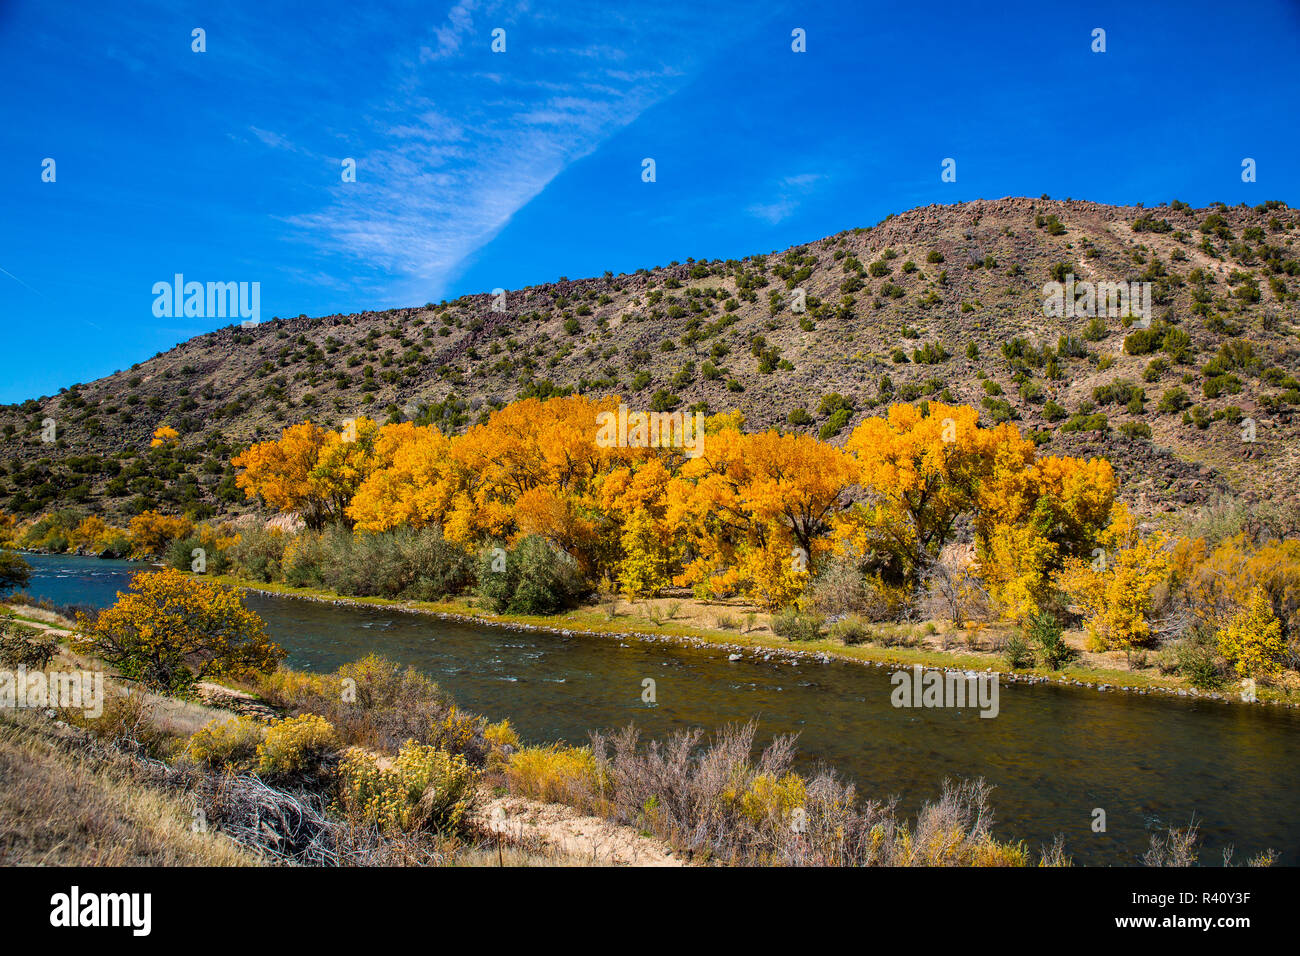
756, 510
280, 473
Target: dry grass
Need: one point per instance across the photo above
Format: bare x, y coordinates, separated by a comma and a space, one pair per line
58, 807
714, 802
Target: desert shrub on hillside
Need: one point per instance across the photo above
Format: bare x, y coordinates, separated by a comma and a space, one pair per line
230, 743
1258, 522
20, 647
1174, 400
296, 746
1135, 430
424, 789
835, 424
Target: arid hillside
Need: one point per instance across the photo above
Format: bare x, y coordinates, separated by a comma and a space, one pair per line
940, 302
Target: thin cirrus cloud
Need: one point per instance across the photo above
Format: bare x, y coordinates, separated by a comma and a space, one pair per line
466, 137
787, 195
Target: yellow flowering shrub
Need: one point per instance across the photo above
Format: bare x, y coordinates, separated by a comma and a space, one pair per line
555, 774
424, 789
233, 742
291, 689
455, 731
295, 745
992, 853
171, 630
502, 740
772, 799
501, 735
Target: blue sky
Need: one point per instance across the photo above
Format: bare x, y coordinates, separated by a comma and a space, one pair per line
478, 170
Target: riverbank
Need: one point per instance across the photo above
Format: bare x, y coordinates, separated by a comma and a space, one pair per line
72, 794
761, 644
1180, 760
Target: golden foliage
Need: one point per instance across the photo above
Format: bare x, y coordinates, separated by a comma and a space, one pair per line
279, 472
232, 742
1252, 640
555, 774
1117, 589
171, 630
295, 745
151, 532
163, 436
425, 788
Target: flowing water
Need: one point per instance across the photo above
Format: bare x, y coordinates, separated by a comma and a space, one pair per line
1053, 754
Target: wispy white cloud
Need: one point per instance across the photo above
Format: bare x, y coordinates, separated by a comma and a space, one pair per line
464, 138
449, 36
787, 194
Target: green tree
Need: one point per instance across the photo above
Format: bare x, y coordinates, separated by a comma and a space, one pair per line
15, 572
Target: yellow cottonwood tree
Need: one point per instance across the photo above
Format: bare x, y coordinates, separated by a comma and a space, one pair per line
151, 532
757, 509
413, 483
1252, 640
1031, 519
644, 568
343, 462
1116, 590
279, 472
922, 472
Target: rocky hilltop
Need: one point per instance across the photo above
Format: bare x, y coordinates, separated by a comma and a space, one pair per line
1195, 399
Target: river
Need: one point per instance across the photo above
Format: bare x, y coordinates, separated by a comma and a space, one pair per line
1054, 754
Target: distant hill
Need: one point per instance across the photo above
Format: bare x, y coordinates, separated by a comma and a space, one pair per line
943, 301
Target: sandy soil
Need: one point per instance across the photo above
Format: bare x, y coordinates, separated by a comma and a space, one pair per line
566, 832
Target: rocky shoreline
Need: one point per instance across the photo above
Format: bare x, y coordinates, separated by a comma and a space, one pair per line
736, 652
